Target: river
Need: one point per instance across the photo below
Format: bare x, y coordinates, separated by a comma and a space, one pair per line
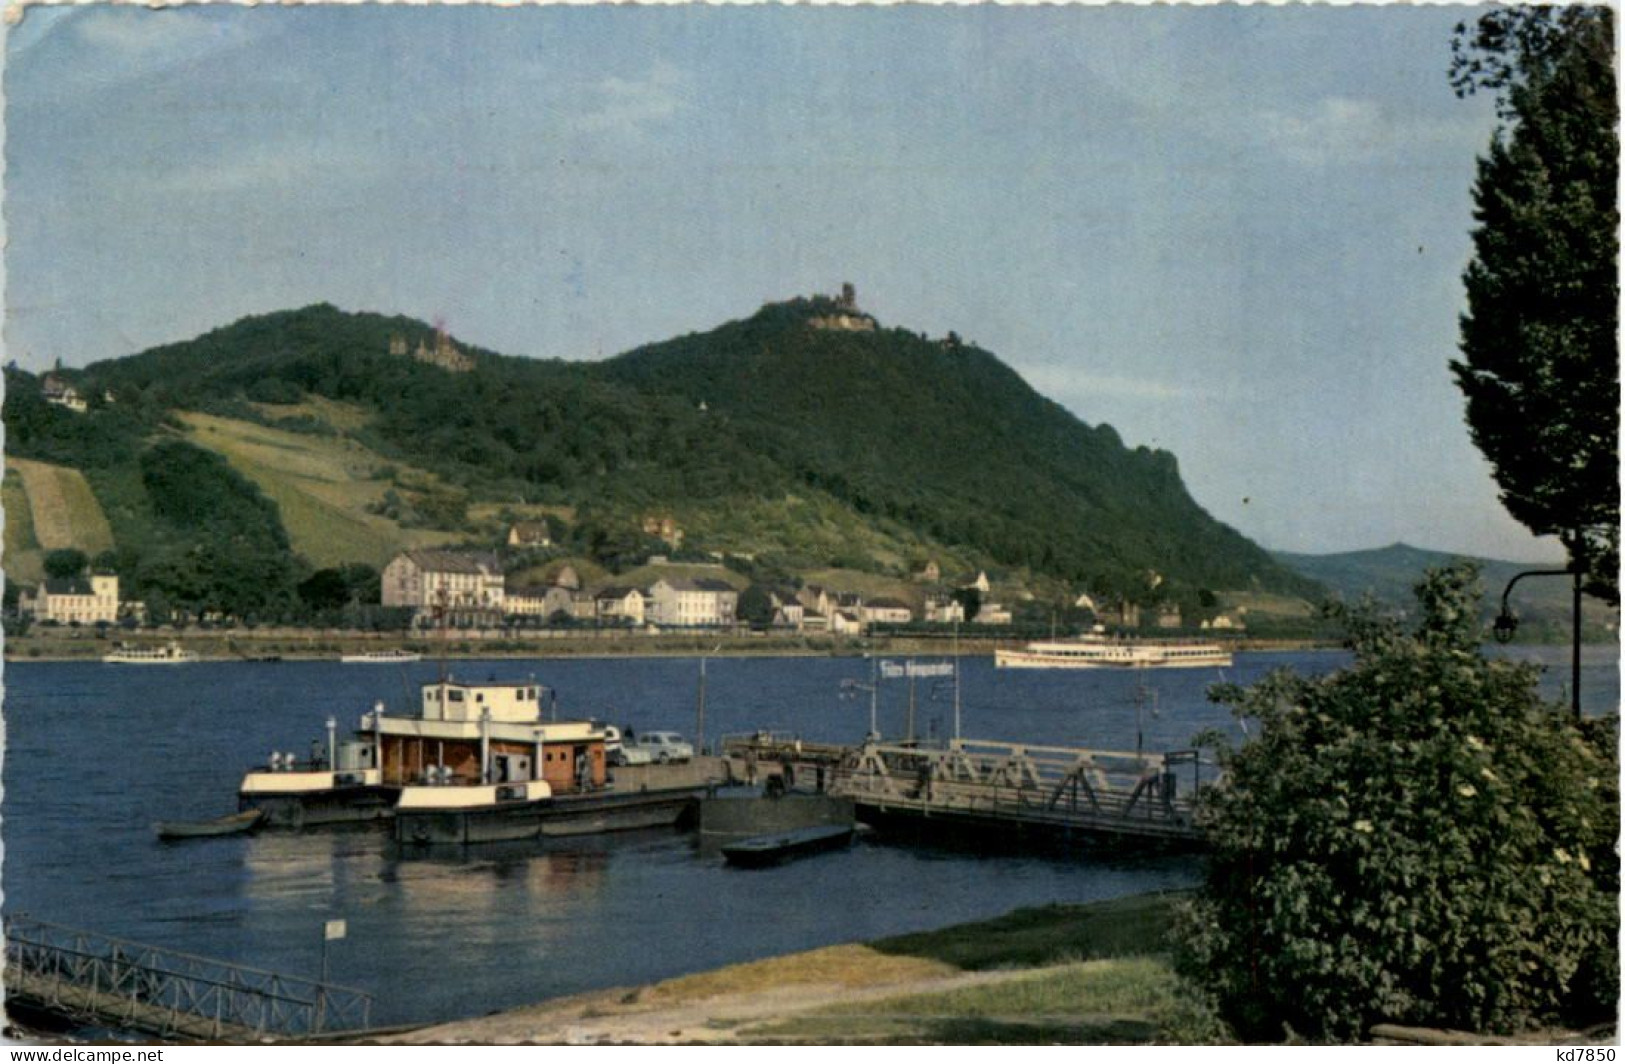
95, 753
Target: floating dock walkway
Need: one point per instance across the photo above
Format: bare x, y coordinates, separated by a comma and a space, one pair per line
1019, 791
87, 978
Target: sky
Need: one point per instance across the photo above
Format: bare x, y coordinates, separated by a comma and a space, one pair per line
1234, 233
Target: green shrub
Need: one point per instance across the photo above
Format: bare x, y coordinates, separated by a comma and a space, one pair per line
1417, 838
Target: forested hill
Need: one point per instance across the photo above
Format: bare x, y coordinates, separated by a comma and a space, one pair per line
943, 437
925, 446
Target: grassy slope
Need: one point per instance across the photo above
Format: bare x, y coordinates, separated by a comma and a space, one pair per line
24, 558
63, 512
322, 484
807, 524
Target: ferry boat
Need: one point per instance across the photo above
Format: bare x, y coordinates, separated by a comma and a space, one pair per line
170, 653
1099, 651
470, 762
381, 657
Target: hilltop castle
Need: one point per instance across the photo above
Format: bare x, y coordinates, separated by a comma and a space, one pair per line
444, 353
847, 316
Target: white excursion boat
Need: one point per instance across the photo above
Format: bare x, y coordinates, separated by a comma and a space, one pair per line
168, 654
381, 657
1098, 651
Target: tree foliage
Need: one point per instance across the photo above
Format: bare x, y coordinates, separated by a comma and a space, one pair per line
1417, 838
1540, 365
65, 563
219, 543
755, 605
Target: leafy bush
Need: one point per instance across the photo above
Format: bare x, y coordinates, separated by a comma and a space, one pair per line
1417, 838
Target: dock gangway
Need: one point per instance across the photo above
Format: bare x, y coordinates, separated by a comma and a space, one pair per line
1022, 789
109, 982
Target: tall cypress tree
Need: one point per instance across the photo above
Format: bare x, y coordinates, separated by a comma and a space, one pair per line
1540, 356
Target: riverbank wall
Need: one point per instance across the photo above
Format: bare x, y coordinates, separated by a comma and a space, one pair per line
311, 644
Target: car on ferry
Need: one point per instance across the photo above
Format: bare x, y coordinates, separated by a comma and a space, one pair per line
663, 746
621, 751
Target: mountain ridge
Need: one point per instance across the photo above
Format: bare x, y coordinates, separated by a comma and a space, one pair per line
1388, 574
907, 447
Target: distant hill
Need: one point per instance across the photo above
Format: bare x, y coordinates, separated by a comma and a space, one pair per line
1389, 574
805, 436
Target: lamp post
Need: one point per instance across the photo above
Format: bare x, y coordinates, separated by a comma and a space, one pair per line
1506, 624
850, 689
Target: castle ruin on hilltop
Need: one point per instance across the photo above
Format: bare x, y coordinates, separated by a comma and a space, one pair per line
847, 317
444, 353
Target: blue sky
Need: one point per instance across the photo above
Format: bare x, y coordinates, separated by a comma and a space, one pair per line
1232, 232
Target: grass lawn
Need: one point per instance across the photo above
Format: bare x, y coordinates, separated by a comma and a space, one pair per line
1124, 1001
1060, 973
1047, 934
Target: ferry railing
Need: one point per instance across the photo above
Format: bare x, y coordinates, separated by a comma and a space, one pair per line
116, 981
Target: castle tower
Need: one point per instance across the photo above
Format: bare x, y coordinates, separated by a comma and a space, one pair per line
849, 296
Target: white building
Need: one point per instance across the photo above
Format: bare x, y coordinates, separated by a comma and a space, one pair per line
537, 601
76, 599
994, 613
459, 581
885, 611
621, 603
845, 622
683, 603
788, 612
58, 392
944, 609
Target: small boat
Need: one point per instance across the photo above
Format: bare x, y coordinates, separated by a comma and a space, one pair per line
381, 657
168, 654
770, 849
232, 824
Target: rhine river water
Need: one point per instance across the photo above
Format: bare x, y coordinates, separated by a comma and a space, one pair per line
95, 753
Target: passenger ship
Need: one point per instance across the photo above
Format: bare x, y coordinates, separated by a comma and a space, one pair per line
471, 763
1098, 651
381, 657
168, 654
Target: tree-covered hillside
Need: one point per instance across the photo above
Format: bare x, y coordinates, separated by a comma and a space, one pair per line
944, 437
896, 446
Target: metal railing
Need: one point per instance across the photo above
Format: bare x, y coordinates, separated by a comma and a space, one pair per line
115, 982
1112, 791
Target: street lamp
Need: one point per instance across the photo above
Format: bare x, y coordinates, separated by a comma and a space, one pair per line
1506, 624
